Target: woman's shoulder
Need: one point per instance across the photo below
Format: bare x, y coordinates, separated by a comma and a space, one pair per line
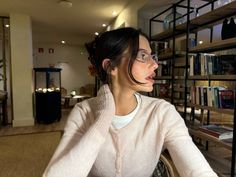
156, 102
85, 105
81, 114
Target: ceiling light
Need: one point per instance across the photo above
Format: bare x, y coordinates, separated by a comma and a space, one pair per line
114, 13
7, 26
65, 3
104, 25
63, 42
96, 33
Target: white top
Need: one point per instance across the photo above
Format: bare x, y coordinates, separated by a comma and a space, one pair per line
121, 121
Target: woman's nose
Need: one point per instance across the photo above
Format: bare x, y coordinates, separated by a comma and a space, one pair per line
154, 64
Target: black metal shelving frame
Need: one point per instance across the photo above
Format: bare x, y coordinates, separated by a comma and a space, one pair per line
187, 29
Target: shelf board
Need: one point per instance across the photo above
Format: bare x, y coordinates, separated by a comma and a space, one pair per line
215, 15
176, 89
180, 65
163, 78
220, 110
169, 55
209, 138
208, 19
179, 77
213, 46
178, 101
212, 77
180, 30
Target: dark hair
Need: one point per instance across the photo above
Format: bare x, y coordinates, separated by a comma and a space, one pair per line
112, 45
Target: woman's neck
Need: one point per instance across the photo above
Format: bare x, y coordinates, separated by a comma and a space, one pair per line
125, 100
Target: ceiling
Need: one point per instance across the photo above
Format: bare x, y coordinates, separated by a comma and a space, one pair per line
52, 22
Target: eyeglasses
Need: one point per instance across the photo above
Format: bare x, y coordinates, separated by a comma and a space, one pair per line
145, 57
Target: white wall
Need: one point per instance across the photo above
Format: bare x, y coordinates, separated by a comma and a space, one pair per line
129, 16
71, 58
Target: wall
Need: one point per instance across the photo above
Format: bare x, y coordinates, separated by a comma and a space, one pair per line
71, 58
129, 16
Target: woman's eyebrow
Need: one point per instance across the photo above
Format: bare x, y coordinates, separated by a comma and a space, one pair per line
144, 50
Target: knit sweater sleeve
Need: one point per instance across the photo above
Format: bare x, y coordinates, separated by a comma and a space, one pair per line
187, 158
82, 138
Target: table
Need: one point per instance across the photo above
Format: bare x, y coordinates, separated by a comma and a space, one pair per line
78, 98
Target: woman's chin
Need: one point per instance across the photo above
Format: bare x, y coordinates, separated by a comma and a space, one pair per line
147, 88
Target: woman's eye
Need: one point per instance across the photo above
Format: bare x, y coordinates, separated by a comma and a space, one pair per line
144, 56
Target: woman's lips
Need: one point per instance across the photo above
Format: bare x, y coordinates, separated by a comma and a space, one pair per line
151, 77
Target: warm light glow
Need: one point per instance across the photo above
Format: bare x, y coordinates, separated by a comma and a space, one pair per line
65, 3
63, 42
114, 13
73, 93
7, 26
104, 25
96, 33
200, 42
45, 90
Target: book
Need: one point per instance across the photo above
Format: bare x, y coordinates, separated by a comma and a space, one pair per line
191, 65
216, 96
163, 91
193, 94
209, 96
220, 132
226, 99
197, 65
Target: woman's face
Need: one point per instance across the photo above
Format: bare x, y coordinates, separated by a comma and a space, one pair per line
143, 69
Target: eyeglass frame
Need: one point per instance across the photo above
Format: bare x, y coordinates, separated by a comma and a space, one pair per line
139, 57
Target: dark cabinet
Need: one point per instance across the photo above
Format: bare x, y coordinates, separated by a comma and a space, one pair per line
47, 94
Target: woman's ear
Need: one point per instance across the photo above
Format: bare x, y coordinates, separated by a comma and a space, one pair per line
106, 63
107, 66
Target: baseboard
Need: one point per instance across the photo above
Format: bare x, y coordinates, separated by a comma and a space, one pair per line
23, 122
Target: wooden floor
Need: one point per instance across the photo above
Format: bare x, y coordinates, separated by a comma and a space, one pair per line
213, 154
58, 125
219, 158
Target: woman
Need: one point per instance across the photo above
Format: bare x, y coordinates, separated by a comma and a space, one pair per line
121, 132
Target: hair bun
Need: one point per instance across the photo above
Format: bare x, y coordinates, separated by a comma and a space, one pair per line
91, 48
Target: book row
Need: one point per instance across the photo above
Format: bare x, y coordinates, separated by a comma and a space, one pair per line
218, 97
211, 64
161, 90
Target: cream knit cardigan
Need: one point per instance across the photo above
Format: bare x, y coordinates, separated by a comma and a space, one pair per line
90, 147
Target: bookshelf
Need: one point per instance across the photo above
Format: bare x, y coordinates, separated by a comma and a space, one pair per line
210, 108
213, 46
198, 23
191, 28
176, 60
